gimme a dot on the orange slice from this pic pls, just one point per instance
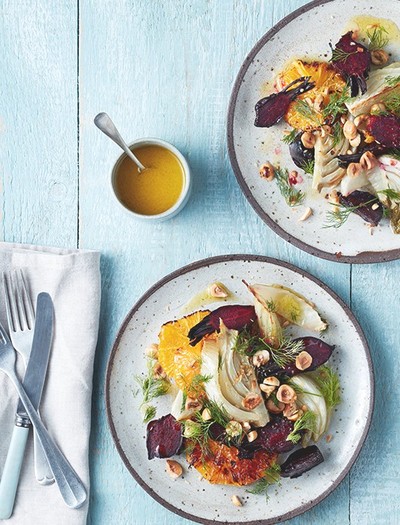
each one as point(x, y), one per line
point(179, 360)
point(222, 465)
point(327, 81)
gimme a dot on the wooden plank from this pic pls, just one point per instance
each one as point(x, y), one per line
point(374, 480)
point(38, 123)
point(166, 69)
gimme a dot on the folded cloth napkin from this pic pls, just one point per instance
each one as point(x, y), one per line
point(72, 278)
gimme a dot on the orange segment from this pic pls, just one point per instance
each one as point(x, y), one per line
point(222, 465)
point(179, 360)
point(327, 81)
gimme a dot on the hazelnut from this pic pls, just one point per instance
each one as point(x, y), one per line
point(217, 290)
point(379, 57)
point(273, 408)
point(318, 102)
point(375, 206)
point(368, 161)
point(328, 438)
point(360, 122)
point(333, 197)
point(308, 139)
point(303, 360)
point(291, 412)
point(206, 415)
point(377, 109)
point(173, 468)
point(353, 169)
point(246, 426)
point(261, 358)
point(271, 381)
point(251, 401)
point(236, 501)
point(349, 130)
point(233, 428)
point(158, 371)
point(286, 394)
point(267, 171)
point(306, 215)
point(193, 404)
point(152, 351)
point(267, 389)
point(354, 143)
point(251, 436)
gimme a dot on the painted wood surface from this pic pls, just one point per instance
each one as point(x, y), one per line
point(163, 69)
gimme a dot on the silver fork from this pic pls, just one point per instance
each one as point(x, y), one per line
point(71, 487)
point(21, 320)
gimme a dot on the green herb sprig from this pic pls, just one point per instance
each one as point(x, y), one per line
point(288, 138)
point(392, 195)
point(306, 422)
point(377, 37)
point(292, 196)
point(271, 476)
point(336, 218)
point(308, 112)
point(338, 55)
point(392, 103)
point(329, 384)
point(392, 81)
point(337, 104)
point(152, 387)
point(308, 166)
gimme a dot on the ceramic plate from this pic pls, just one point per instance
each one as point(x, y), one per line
point(198, 500)
point(249, 147)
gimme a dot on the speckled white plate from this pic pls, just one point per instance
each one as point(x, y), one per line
point(198, 500)
point(249, 147)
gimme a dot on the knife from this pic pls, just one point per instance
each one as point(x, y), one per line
point(34, 379)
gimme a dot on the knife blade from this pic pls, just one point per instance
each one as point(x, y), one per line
point(36, 368)
point(34, 380)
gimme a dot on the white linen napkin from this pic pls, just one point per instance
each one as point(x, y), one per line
point(72, 278)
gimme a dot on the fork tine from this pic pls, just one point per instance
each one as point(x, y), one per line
point(27, 302)
point(10, 301)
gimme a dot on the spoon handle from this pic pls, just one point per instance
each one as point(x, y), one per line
point(71, 487)
point(107, 126)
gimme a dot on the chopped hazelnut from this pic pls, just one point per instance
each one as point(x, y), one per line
point(193, 404)
point(379, 57)
point(246, 426)
point(267, 171)
point(206, 415)
point(158, 371)
point(152, 351)
point(354, 143)
point(329, 438)
point(377, 109)
point(286, 394)
point(267, 389)
point(173, 468)
point(308, 139)
point(251, 401)
point(375, 206)
point(273, 408)
point(261, 358)
point(361, 121)
point(291, 412)
point(236, 501)
point(349, 130)
point(217, 290)
point(271, 381)
point(333, 197)
point(251, 436)
point(303, 360)
point(306, 215)
point(354, 169)
point(368, 161)
point(318, 102)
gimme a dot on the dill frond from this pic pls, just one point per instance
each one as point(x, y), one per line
point(393, 195)
point(337, 104)
point(305, 422)
point(288, 138)
point(392, 81)
point(329, 384)
point(149, 413)
point(151, 387)
point(337, 217)
point(308, 112)
point(392, 103)
point(292, 196)
point(377, 37)
point(338, 55)
point(271, 476)
point(308, 166)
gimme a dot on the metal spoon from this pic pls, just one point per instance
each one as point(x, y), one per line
point(107, 126)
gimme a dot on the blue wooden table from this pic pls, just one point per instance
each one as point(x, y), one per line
point(163, 68)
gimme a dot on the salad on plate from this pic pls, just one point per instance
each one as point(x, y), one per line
point(344, 134)
point(251, 390)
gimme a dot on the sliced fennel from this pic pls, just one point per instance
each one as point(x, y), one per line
point(327, 172)
point(222, 388)
point(310, 395)
point(385, 179)
point(290, 305)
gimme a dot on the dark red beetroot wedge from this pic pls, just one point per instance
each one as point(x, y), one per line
point(270, 110)
point(273, 436)
point(353, 61)
point(385, 129)
point(164, 437)
point(301, 461)
point(235, 317)
point(368, 207)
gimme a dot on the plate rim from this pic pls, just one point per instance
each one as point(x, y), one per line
point(195, 266)
point(362, 257)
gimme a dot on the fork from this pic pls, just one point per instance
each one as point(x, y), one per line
point(21, 320)
point(71, 487)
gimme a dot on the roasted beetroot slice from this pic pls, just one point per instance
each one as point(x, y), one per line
point(270, 110)
point(273, 437)
point(235, 317)
point(353, 61)
point(301, 461)
point(365, 202)
point(318, 350)
point(385, 129)
point(164, 437)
